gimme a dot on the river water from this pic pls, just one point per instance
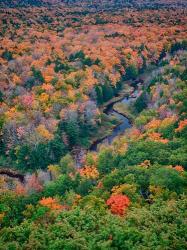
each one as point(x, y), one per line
point(120, 129)
point(125, 123)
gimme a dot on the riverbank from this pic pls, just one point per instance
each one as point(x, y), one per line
point(126, 91)
point(125, 110)
point(121, 107)
point(109, 121)
point(116, 115)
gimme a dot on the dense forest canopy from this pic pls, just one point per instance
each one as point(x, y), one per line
point(97, 4)
point(93, 124)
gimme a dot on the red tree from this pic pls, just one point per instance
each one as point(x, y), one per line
point(118, 204)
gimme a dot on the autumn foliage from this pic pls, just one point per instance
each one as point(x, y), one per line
point(93, 117)
point(182, 125)
point(179, 168)
point(118, 204)
point(89, 172)
point(51, 203)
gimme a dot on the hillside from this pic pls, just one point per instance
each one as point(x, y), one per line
point(93, 125)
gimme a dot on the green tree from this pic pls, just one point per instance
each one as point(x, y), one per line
point(99, 94)
point(7, 55)
point(141, 102)
point(106, 161)
point(168, 178)
point(107, 91)
point(37, 75)
point(131, 72)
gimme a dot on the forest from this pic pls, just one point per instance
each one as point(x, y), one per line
point(93, 125)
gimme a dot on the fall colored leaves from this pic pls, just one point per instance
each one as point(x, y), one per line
point(118, 204)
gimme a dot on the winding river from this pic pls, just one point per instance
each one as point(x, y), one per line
point(125, 123)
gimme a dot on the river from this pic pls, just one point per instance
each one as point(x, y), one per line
point(125, 122)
